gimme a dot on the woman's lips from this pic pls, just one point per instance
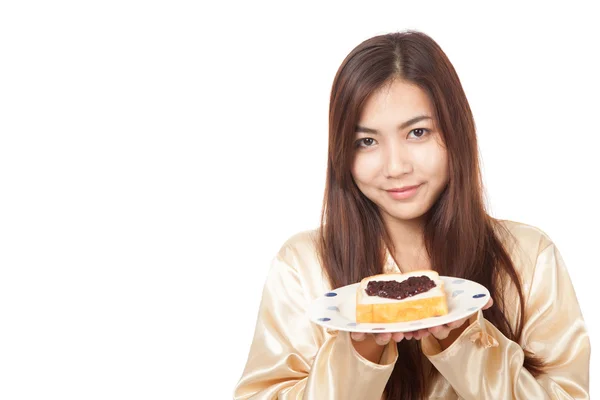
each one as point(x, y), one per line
point(404, 193)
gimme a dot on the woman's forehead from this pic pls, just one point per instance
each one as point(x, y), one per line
point(396, 103)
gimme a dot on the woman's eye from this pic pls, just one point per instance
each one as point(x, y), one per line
point(419, 132)
point(365, 142)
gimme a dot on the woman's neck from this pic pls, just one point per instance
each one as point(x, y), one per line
point(407, 237)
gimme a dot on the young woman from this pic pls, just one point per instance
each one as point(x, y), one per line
point(404, 192)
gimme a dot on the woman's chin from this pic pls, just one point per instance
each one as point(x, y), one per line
point(405, 215)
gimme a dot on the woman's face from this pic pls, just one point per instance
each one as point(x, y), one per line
point(395, 148)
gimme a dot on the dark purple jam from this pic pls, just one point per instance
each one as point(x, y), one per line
point(400, 290)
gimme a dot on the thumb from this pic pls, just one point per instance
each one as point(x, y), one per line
point(489, 304)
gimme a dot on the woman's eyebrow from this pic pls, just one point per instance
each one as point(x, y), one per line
point(404, 125)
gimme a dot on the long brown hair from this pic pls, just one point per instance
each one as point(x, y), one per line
point(460, 236)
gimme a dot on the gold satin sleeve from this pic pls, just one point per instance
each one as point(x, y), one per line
point(292, 358)
point(483, 364)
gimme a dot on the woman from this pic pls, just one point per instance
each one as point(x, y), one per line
point(404, 192)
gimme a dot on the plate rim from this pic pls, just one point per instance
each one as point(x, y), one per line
point(393, 326)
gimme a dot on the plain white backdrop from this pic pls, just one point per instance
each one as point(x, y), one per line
point(154, 156)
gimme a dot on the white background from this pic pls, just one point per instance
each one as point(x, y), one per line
point(155, 155)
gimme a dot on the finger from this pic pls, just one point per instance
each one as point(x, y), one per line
point(417, 335)
point(383, 338)
point(421, 334)
point(489, 304)
point(456, 324)
point(408, 335)
point(397, 336)
point(358, 336)
point(440, 332)
point(435, 329)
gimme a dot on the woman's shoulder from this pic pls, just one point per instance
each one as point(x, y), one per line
point(523, 242)
point(529, 237)
point(302, 241)
point(299, 253)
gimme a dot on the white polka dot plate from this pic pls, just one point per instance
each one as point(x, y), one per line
point(337, 309)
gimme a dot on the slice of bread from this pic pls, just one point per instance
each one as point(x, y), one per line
point(376, 309)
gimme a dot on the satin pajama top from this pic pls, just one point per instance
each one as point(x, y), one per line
point(292, 358)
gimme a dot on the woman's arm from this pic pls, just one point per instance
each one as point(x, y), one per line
point(483, 364)
point(292, 358)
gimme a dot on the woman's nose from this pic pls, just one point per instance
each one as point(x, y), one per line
point(397, 161)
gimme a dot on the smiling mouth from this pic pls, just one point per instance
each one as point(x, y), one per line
point(403, 189)
point(404, 193)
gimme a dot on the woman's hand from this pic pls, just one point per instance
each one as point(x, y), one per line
point(379, 338)
point(443, 332)
point(446, 334)
point(371, 345)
